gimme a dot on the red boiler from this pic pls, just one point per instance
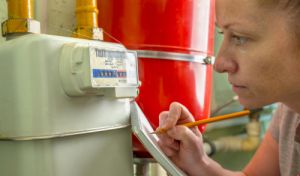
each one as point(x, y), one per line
point(174, 42)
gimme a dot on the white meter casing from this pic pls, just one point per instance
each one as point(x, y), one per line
point(88, 69)
point(54, 106)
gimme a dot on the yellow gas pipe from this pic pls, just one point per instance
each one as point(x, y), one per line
point(20, 18)
point(87, 20)
point(20, 9)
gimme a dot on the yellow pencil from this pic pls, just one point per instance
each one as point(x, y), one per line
point(209, 120)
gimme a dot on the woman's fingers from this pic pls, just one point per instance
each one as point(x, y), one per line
point(177, 114)
point(176, 136)
point(186, 136)
point(168, 120)
point(167, 141)
point(168, 150)
point(163, 119)
point(180, 112)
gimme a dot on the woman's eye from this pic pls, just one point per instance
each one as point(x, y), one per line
point(238, 40)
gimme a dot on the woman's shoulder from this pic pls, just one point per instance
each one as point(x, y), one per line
point(286, 113)
point(283, 121)
point(283, 111)
point(286, 132)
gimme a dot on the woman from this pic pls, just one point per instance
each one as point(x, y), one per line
point(261, 55)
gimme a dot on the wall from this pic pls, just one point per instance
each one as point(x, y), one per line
point(3, 16)
point(57, 17)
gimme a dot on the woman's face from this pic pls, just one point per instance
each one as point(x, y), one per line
point(259, 52)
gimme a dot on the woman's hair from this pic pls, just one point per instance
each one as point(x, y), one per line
point(291, 7)
point(285, 4)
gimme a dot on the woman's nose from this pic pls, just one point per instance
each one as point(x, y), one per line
point(225, 63)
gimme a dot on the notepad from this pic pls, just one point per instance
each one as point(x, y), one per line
point(142, 129)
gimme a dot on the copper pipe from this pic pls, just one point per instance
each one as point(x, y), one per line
point(20, 18)
point(86, 13)
point(87, 20)
point(20, 9)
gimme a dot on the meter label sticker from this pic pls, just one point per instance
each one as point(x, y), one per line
point(111, 67)
point(106, 73)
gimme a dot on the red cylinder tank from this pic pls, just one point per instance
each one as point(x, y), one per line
point(173, 39)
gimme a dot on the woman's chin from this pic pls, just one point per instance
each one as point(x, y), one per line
point(251, 104)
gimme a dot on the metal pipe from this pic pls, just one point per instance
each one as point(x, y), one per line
point(87, 20)
point(237, 143)
point(20, 19)
point(20, 9)
point(86, 13)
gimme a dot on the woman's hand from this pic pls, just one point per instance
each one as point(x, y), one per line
point(184, 146)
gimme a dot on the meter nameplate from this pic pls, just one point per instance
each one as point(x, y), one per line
point(112, 68)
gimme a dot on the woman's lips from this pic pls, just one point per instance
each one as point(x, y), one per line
point(238, 89)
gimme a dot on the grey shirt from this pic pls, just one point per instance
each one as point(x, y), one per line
point(285, 129)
